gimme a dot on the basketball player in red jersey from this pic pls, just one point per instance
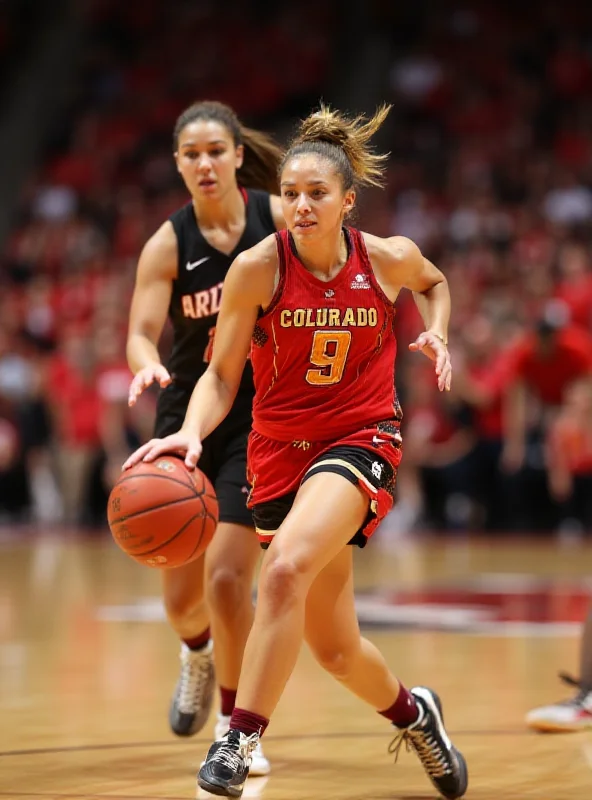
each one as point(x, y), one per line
point(318, 302)
point(180, 273)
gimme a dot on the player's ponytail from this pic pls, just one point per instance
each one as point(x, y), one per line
point(262, 155)
point(344, 141)
point(261, 162)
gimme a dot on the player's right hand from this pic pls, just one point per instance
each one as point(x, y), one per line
point(144, 378)
point(181, 443)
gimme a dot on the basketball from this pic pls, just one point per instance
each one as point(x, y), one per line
point(161, 513)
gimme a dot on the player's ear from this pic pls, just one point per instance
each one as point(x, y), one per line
point(349, 201)
point(240, 156)
point(176, 157)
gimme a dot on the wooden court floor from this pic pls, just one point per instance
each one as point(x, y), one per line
point(87, 666)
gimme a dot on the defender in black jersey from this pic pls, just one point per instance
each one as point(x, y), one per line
point(181, 273)
point(193, 311)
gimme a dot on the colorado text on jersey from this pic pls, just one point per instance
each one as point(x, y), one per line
point(329, 317)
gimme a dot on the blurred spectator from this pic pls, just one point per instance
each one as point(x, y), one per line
point(542, 366)
point(482, 376)
point(439, 443)
point(73, 402)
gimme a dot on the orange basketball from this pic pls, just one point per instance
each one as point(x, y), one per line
point(162, 514)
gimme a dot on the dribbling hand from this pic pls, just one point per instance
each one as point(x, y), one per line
point(145, 378)
point(434, 348)
point(181, 443)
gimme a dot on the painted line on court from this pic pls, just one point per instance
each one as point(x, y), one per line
point(281, 738)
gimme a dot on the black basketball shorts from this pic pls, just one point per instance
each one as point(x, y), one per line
point(224, 456)
point(373, 470)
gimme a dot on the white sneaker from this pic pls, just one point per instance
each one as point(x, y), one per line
point(566, 716)
point(194, 693)
point(259, 763)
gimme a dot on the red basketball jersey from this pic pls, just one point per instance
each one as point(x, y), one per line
point(323, 353)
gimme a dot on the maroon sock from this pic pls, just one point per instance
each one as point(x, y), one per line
point(198, 642)
point(227, 701)
point(404, 710)
point(246, 722)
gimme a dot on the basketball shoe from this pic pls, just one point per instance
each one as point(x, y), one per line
point(259, 764)
point(443, 763)
point(227, 763)
point(192, 701)
point(566, 716)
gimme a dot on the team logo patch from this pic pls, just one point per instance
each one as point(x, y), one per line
point(329, 293)
point(360, 282)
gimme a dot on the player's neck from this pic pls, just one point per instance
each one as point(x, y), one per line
point(323, 259)
point(225, 212)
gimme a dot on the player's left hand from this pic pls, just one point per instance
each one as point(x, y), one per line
point(182, 443)
point(434, 348)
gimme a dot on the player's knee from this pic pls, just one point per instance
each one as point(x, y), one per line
point(227, 590)
point(282, 582)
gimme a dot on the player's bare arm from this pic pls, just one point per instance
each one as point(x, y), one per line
point(157, 268)
point(398, 263)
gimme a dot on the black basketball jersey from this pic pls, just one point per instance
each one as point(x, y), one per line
point(197, 291)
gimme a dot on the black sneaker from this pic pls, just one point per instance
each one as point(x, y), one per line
point(227, 763)
point(444, 764)
point(194, 693)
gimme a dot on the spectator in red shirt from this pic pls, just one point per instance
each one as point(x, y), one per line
point(542, 365)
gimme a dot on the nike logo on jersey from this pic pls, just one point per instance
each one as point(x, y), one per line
point(193, 264)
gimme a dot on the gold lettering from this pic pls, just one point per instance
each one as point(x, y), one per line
point(334, 317)
point(321, 317)
point(299, 318)
point(348, 318)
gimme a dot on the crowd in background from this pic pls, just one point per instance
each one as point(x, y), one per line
point(490, 173)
